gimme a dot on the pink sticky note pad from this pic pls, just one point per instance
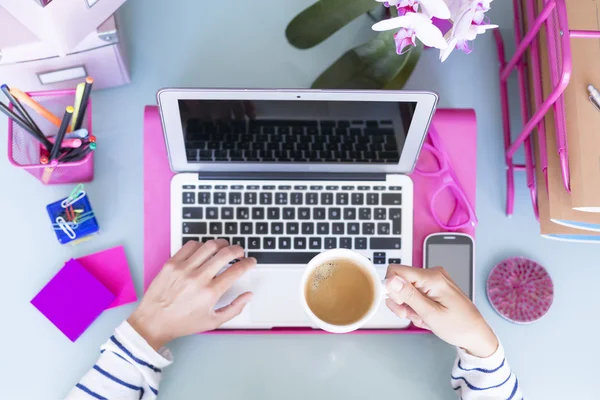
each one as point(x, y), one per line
point(111, 268)
point(73, 299)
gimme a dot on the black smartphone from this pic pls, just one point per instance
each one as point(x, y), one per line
point(456, 253)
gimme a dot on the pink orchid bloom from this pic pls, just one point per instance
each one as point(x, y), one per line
point(463, 45)
point(481, 7)
point(403, 6)
point(406, 6)
point(413, 25)
point(469, 21)
point(404, 38)
point(433, 8)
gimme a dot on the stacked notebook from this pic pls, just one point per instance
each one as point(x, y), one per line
point(573, 216)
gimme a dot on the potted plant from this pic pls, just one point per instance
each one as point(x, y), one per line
point(388, 60)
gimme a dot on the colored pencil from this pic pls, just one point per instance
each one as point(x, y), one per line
point(19, 107)
point(28, 101)
point(61, 133)
point(77, 105)
point(84, 102)
point(77, 154)
point(23, 124)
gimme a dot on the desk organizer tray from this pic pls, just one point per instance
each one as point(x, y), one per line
point(24, 151)
point(457, 129)
point(540, 24)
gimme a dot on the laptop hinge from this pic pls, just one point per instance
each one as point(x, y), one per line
point(295, 176)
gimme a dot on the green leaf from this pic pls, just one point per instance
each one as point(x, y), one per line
point(323, 19)
point(372, 65)
point(410, 62)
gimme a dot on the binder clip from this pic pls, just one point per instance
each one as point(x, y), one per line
point(72, 218)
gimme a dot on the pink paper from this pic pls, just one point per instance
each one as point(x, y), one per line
point(73, 299)
point(111, 268)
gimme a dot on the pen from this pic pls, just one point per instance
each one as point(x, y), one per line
point(25, 99)
point(61, 133)
point(594, 96)
point(79, 133)
point(10, 114)
point(68, 143)
point(77, 105)
point(89, 81)
point(19, 107)
point(78, 154)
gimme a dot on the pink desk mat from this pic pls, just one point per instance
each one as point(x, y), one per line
point(457, 129)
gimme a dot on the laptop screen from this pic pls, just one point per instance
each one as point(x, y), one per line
point(295, 131)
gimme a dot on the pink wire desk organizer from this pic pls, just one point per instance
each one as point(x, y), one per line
point(552, 17)
point(24, 151)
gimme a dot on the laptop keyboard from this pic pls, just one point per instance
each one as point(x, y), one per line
point(291, 141)
point(290, 224)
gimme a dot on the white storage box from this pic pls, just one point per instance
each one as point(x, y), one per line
point(36, 66)
point(63, 24)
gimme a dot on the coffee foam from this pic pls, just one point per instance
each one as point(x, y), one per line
point(322, 273)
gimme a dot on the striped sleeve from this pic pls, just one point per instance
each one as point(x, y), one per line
point(128, 369)
point(475, 378)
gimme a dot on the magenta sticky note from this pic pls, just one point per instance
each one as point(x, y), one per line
point(111, 268)
point(73, 299)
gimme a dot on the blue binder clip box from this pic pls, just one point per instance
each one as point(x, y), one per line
point(73, 218)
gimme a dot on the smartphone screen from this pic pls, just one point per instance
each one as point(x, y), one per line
point(455, 254)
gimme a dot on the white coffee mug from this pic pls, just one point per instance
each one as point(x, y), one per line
point(359, 260)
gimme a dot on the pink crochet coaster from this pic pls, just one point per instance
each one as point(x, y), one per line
point(520, 290)
point(73, 299)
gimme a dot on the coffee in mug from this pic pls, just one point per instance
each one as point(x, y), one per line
point(340, 292)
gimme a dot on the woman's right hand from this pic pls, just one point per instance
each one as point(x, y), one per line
point(431, 300)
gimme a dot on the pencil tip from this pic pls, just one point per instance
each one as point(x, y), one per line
point(4, 86)
point(70, 109)
point(89, 80)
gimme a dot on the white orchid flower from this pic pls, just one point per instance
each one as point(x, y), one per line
point(457, 7)
point(454, 6)
point(411, 25)
point(433, 8)
point(468, 23)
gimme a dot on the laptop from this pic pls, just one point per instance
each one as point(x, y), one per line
point(287, 174)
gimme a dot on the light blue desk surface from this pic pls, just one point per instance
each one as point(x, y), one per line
point(230, 44)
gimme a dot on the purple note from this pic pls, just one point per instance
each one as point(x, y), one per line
point(73, 299)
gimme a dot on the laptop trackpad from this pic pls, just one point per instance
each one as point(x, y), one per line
point(276, 300)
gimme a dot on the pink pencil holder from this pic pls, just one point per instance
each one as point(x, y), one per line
point(24, 151)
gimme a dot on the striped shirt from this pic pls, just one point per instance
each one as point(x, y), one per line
point(476, 378)
point(129, 369)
